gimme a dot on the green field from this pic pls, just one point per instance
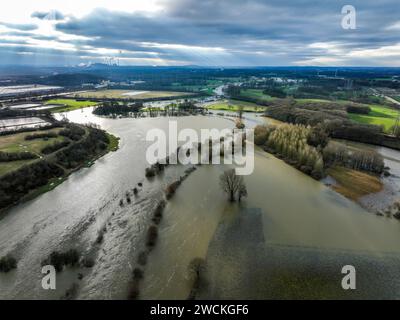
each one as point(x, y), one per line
point(379, 115)
point(17, 143)
point(255, 94)
point(122, 94)
point(233, 105)
point(69, 104)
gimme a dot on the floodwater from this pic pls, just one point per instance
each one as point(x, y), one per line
point(293, 217)
point(303, 226)
point(72, 214)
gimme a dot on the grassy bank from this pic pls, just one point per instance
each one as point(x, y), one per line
point(114, 143)
point(52, 184)
point(354, 184)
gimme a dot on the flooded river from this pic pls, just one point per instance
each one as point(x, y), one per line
point(295, 219)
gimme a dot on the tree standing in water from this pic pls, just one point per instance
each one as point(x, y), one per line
point(231, 183)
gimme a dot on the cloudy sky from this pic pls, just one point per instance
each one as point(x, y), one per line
point(199, 32)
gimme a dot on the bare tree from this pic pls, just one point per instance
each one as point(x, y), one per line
point(231, 183)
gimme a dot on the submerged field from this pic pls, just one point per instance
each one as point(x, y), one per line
point(354, 184)
point(130, 94)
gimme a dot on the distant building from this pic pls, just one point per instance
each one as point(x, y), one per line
point(14, 91)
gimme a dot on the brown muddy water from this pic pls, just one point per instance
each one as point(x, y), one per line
point(291, 210)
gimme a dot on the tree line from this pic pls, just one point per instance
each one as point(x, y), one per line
point(310, 150)
point(15, 156)
point(338, 154)
point(335, 121)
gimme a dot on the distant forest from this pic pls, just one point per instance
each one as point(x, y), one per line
point(161, 77)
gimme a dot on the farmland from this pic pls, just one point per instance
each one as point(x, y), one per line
point(16, 143)
point(64, 105)
point(379, 115)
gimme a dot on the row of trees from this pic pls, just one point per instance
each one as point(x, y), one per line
point(55, 146)
point(335, 122)
point(73, 132)
point(116, 108)
point(275, 91)
point(358, 109)
point(291, 143)
point(307, 149)
point(73, 156)
point(45, 135)
point(232, 90)
point(138, 110)
point(15, 156)
point(17, 183)
point(339, 154)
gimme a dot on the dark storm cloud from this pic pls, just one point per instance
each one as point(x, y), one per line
point(50, 15)
point(238, 32)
